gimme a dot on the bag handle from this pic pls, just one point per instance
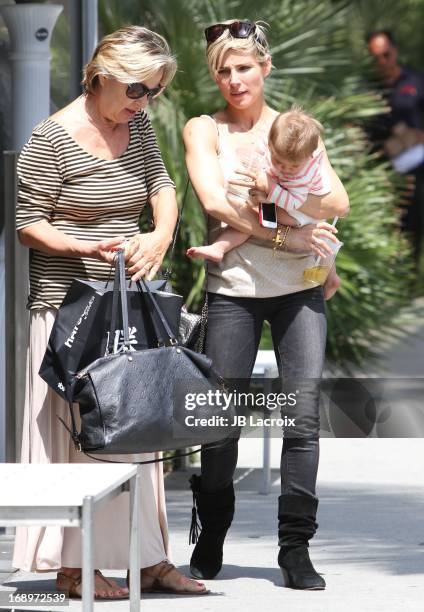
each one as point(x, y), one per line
point(172, 339)
point(124, 301)
point(75, 437)
point(168, 272)
point(120, 291)
point(114, 315)
point(153, 317)
point(119, 288)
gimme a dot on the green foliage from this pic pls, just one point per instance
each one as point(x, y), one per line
point(373, 264)
point(404, 19)
point(319, 64)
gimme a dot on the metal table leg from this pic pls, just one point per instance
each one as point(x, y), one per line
point(135, 542)
point(87, 555)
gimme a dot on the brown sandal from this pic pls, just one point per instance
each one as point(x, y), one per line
point(73, 585)
point(155, 582)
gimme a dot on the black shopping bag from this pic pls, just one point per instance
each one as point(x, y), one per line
point(81, 332)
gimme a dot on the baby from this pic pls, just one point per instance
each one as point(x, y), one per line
point(293, 169)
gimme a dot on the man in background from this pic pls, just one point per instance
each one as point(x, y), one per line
point(400, 133)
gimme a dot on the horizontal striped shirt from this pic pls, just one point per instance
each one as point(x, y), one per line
point(83, 196)
point(290, 191)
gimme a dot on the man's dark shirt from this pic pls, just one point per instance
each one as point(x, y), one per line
point(406, 99)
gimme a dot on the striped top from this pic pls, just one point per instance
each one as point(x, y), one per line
point(83, 196)
point(290, 191)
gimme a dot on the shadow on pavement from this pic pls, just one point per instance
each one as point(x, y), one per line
point(372, 526)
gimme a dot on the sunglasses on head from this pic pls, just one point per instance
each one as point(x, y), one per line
point(135, 91)
point(237, 29)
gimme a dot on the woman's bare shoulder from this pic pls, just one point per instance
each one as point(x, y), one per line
point(200, 127)
point(201, 121)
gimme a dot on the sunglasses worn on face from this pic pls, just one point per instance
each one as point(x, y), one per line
point(386, 55)
point(237, 29)
point(135, 91)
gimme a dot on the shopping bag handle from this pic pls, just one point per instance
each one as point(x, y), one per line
point(120, 296)
point(119, 291)
point(171, 338)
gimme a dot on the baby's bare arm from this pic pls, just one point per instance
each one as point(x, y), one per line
point(284, 218)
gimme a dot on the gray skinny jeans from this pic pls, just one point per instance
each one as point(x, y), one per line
point(298, 327)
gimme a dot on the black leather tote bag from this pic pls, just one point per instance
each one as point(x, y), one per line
point(162, 398)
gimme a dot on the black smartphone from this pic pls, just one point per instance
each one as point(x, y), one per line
point(268, 215)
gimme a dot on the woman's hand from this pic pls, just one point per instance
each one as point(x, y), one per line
point(144, 254)
point(311, 238)
point(105, 250)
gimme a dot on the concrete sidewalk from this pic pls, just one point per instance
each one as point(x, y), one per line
point(369, 547)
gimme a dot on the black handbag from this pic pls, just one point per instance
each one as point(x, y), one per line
point(192, 328)
point(146, 400)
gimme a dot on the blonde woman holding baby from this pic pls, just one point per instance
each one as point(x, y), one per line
point(258, 279)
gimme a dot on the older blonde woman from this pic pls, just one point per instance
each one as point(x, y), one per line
point(84, 177)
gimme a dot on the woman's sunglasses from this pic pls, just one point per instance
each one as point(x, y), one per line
point(135, 91)
point(237, 29)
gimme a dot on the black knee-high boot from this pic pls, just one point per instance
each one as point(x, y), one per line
point(215, 511)
point(296, 526)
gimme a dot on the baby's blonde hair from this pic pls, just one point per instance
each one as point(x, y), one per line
point(131, 54)
point(294, 135)
point(255, 44)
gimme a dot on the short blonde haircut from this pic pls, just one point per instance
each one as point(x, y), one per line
point(131, 54)
point(294, 135)
point(255, 44)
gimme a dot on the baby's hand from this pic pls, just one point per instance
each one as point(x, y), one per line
point(256, 197)
point(262, 182)
point(254, 179)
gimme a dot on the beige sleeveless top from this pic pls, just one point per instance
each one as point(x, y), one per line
point(252, 269)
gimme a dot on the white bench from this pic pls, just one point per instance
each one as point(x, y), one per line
point(68, 495)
